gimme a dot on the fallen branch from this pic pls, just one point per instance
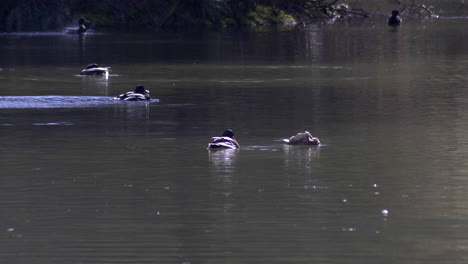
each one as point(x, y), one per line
point(413, 6)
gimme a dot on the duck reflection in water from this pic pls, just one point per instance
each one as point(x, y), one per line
point(223, 161)
point(139, 94)
point(394, 20)
point(225, 141)
point(95, 86)
point(94, 69)
point(300, 159)
point(303, 138)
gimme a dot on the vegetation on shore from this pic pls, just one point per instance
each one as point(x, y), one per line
point(41, 15)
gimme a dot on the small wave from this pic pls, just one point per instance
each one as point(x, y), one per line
point(55, 101)
point(241, 81)
point(31, 34)
point(59, 123)
point(261, 148)
point(448, 18)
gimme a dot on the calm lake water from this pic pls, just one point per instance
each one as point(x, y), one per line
point(86, 179)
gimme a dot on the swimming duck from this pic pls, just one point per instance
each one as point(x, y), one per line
point(83, 26)
point(394, 19)
point(94, 69)
point(225, 141)
point(303, 138)
point(139, 94)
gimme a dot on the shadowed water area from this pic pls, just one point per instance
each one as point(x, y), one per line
point(88, 179)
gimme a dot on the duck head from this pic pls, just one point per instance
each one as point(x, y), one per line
point(309, 136)
point(228, 133)
point(82, 21)
point(140, 89)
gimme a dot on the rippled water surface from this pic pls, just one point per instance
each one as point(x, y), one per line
point(88, 179)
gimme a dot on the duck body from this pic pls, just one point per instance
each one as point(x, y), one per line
point(132, 96)
point(139, 94)
point(303, 138)
point(223, 143)
point(226, 141)
point(394, 20)
point(94, 69)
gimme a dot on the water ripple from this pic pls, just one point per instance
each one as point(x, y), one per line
point(55, 101)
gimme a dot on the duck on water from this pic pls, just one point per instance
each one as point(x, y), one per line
point(94, 69)
point(83, 26)
point(225, 141)
point(303, 138)
point(139, 94)
point(394, 20)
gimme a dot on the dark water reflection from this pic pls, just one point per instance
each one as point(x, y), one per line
point(86, 179)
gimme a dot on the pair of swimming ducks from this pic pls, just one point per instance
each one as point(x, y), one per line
point(227, 140)
point(139, 94)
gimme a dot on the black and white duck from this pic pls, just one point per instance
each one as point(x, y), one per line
point(94, 69)
point(225, 141)
point(139, 94)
